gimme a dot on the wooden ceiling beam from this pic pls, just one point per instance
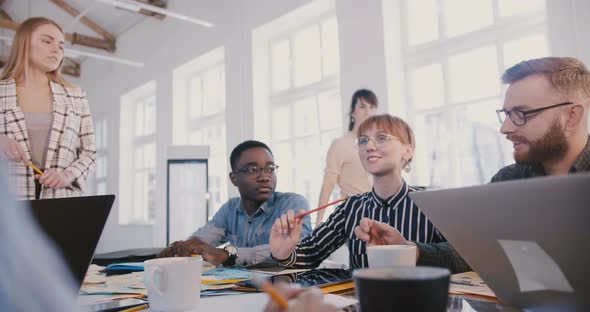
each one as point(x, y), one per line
point(8, 24)
point(158, 3)
point(84, 20)
point(5, 15)
point(89, 41)
point(74, 38)
point(70, 67)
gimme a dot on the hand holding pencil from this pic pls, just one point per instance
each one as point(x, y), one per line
point(286, 231)
point(300, 299)
point(301, 215)
point(285, 234)
point(51, 178)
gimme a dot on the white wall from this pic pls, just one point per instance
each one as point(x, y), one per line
point(568, 23)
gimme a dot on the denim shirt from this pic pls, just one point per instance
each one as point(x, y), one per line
point(251, 234)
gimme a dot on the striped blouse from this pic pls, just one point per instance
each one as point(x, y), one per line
point(398, 211)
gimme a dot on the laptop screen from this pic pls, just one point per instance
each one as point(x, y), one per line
point(74, 225)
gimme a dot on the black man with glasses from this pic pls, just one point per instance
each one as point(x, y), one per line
point(244, 222)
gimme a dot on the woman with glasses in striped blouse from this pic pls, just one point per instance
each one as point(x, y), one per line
point(386, 147)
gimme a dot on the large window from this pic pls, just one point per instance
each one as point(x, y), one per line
point(199, 116)
point(299, 99)
point(454, 53)
point(138, 156)
point(101, 126)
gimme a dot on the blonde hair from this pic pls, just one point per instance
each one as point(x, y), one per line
point(18, 65)
point(392, 125)
point(566, 74)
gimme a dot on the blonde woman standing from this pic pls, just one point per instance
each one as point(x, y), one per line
point(44, 120)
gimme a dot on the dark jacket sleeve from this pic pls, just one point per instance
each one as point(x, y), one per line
point(442, 255)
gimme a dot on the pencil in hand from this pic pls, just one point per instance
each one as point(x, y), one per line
point(267, 287)
point(37, 170)
point(301, 215)
point(137, 308)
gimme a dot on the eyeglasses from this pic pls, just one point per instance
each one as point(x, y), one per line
point(379, 140)
point(518, 117)
point(255, 171)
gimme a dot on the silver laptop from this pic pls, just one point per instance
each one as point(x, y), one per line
point(529, 240)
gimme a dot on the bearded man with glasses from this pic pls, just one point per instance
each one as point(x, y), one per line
point(244, 222)
point(548, 138)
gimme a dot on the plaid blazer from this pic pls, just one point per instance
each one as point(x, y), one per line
point(71, 142)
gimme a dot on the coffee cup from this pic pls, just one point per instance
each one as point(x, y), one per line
point(173, 284)
point(393, 289)
point(385, 256)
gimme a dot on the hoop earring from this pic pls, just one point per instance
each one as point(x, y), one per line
point(408, 167)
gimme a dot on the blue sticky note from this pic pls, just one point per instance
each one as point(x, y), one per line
point(126, 266)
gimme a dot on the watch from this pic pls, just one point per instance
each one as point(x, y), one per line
point(233, 254)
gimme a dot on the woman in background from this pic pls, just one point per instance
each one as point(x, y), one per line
point(343, 166)
point(44, 120)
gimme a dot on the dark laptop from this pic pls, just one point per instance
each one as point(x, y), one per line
point(75, 225)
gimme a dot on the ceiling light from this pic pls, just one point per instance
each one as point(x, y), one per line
point(137, 6)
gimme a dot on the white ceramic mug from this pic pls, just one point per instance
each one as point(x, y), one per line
point(387, 256)
point(173, 284)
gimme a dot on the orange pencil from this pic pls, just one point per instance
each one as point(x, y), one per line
point(137, 308)
point(320, 208)
point(267, 287)
point(37, 170)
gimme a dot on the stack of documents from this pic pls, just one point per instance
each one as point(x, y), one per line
point(469, 283)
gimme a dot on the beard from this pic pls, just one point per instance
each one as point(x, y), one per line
point(551, 146)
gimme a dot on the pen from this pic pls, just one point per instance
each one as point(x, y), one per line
point(320, 208)
point(267, 287)
point(35, 168)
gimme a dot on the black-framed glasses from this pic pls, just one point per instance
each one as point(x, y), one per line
point(256, 171)
point(518, 117)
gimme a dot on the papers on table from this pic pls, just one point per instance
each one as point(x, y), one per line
point(219, 281)
point(94, 275)
point(223, 273)
point(214, 283)
point(131, 283)
point(469, 283)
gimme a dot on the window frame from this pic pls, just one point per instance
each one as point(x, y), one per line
point(441, 50)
